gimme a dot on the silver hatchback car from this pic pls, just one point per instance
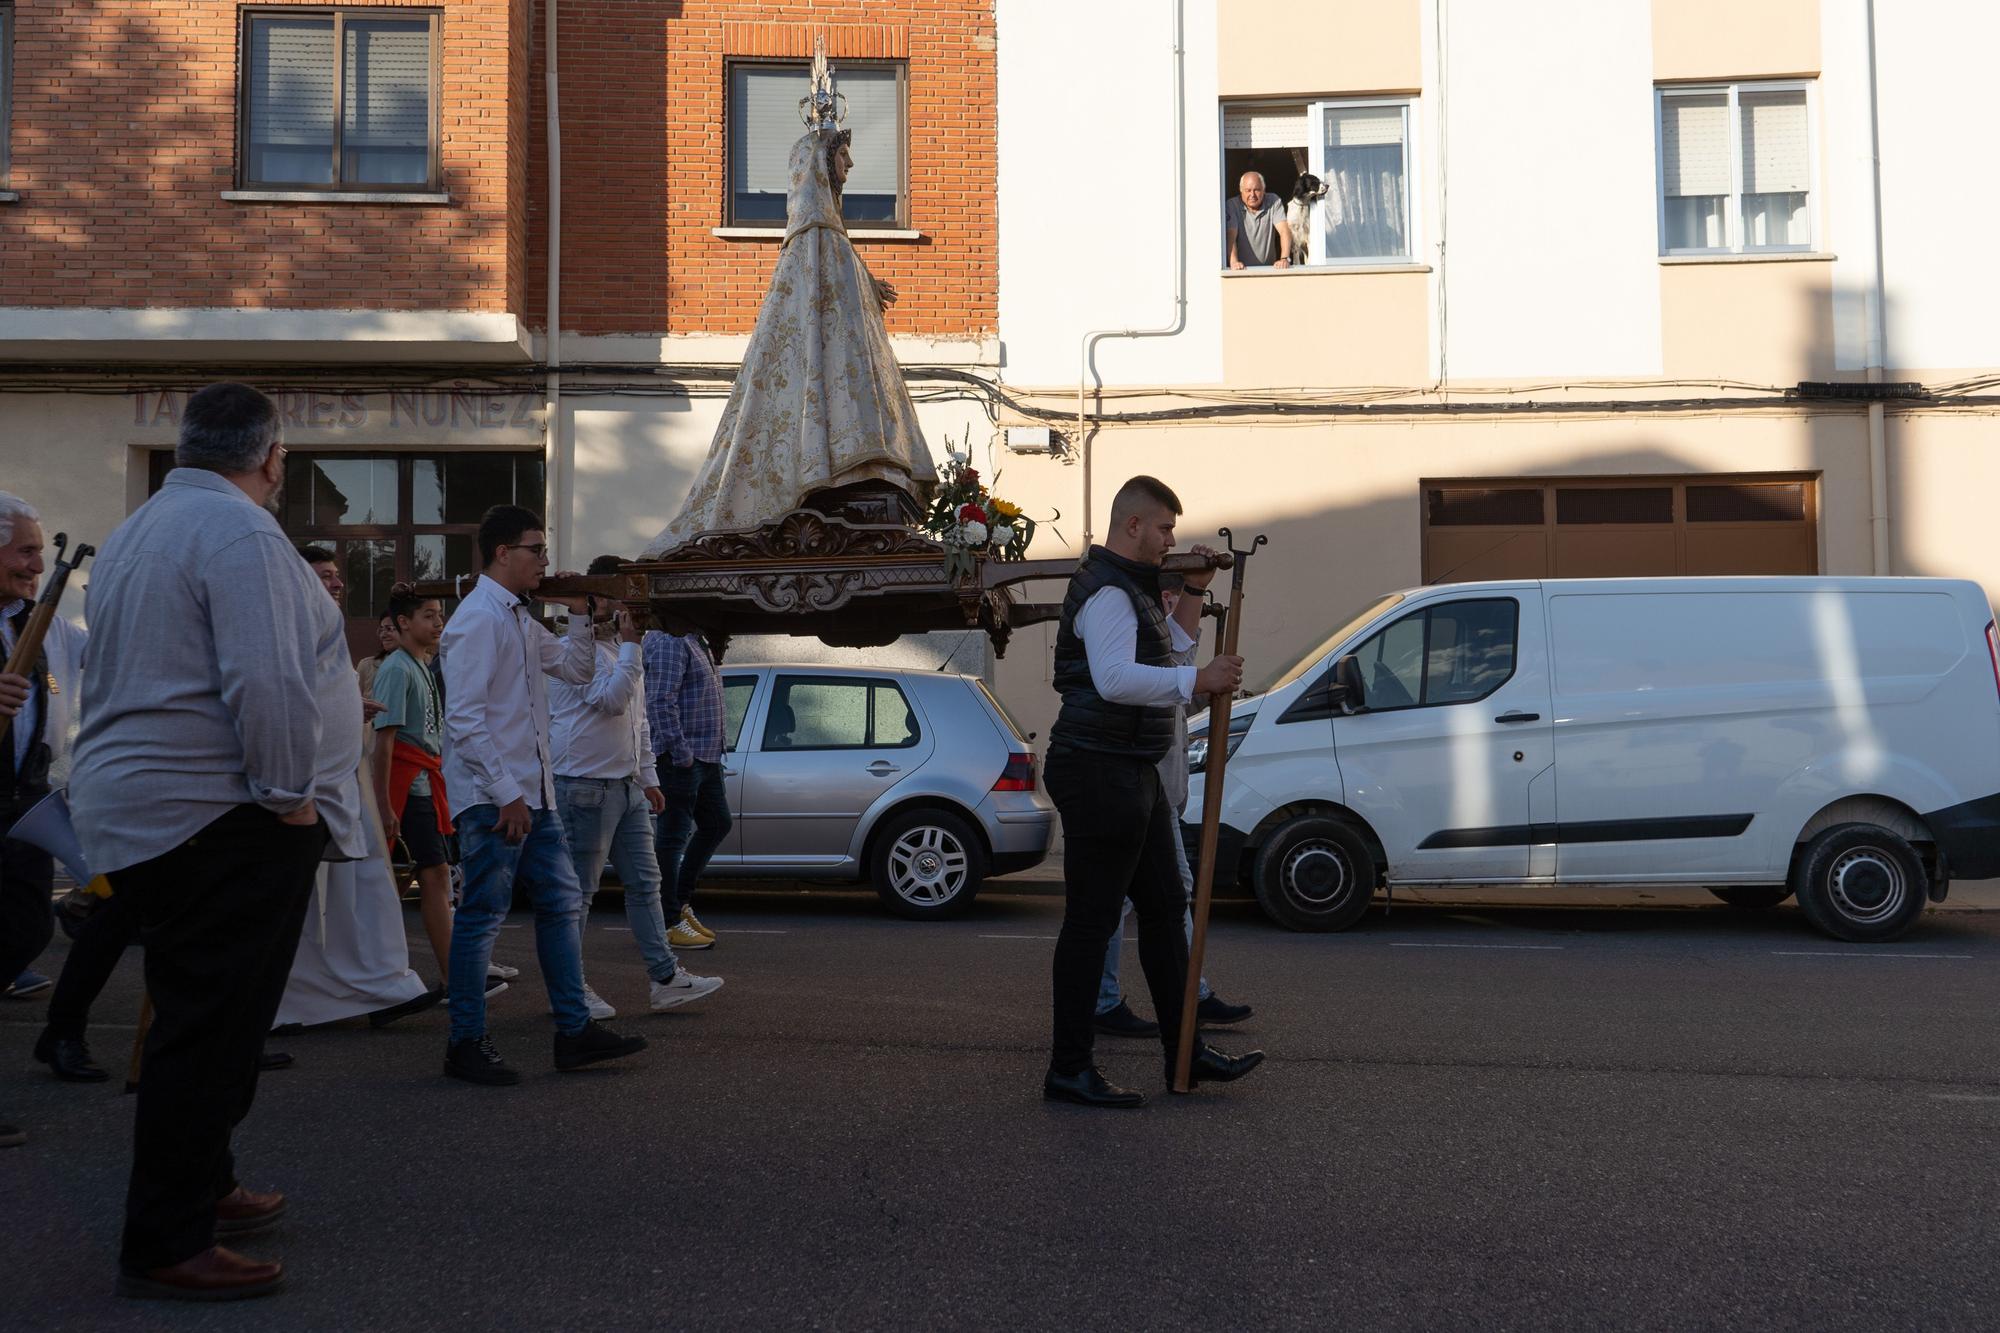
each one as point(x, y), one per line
point(917, 781)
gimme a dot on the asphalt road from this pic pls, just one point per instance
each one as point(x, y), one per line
point(1472, 1116)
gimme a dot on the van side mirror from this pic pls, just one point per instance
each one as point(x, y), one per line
point(1348, 689)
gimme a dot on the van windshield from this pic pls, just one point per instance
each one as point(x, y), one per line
point(1331, 641)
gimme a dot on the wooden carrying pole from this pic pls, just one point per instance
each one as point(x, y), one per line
point(28, 647)
point(1211, 816)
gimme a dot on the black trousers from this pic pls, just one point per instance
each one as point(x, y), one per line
point(219, 917)
point(27, 882)
point(100, 942)
point(1118, 833)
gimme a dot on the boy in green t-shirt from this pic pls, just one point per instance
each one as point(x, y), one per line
point(409, 743)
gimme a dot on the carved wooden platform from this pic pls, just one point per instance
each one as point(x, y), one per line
point(849, 584)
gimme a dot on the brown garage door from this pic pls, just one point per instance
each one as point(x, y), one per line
point(1624, 528)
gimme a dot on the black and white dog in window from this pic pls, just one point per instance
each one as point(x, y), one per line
point(1306, 191)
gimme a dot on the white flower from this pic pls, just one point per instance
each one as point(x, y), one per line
point(972, 534)
point(1003, 535)
point(958, 456)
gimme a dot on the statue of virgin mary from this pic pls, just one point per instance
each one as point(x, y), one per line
point(820, 402)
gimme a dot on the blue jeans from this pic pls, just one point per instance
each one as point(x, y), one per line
point(542, 862)
point(693, 825)
point(609, 816)
point(1109, 996)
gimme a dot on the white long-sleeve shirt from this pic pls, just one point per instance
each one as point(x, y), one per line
point(1109, 628)
point(496, 718)
point(600, 729)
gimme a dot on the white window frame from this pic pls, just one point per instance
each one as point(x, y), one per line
point(1315, 146)
point(1412, 196)
point(1732, 214)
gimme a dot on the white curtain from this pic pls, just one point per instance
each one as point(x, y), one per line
point(1367, 206)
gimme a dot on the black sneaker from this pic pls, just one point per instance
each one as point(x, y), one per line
point(595, 1042)
point(1122, 1022)
point(1216, 1012)
point(416, 1004)
point(477, 1061)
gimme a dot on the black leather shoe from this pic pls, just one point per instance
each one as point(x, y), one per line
point(1122, 1022)
point(596, 1042)
point(69, 1058)
point(1212, 1066)
point(1089, 1089)
point(1216, 1012)
point(269, 1060)
point(477, 1060)
point(416, 1004)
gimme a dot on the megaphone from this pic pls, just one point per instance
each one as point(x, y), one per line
point(47, 826)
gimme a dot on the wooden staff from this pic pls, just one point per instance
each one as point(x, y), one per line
point(27, 648)
point(1211, 815)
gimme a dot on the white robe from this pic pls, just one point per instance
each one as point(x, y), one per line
point(820, 400)
point(354, 956)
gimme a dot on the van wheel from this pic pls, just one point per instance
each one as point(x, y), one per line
point(1860, 882)
point(1753, 897)
point(928, 864)
point(1315, 873)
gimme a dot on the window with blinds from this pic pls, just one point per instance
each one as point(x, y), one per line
point(340, 100)
point(1735, 168)
point(764, 124)
point(1359, 154)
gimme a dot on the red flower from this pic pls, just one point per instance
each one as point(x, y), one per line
point(971, 514)
point(969, 476)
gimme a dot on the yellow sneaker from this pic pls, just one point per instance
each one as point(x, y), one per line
point(693, 923)
point(682, 938)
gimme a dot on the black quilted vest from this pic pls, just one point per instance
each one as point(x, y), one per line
point(1088, 721)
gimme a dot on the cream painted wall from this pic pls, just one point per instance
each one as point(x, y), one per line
point(1769, 323)
point(1341, 503)
point(1550, 218)
point(72, 458)
point(1268, 48)
point(1727, 39)
point(1944, 474)
point(1086, 190)
point(1321, 327)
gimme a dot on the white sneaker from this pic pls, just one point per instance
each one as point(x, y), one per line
point(685, 988)
point(501, 972)
point(599, 1010)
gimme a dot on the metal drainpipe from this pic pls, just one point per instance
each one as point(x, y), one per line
point(1878, 333)
point(562, 460)
point(1091, 339)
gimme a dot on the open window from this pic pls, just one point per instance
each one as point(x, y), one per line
point(1359, 150)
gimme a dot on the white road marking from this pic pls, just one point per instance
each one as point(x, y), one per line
point(743, 930)
point(1538, 948)
point(1018, 937)
point(1858, 953)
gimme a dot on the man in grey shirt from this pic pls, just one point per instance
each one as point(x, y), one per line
point(215, 667)
point(1255, 223)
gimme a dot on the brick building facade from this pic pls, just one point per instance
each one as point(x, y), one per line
point(350, 204)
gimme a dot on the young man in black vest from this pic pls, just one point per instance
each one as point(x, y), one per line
point(1119, 691)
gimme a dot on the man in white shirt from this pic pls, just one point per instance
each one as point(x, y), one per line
point(1120, 689)
point(608, 793)
point(501, 782)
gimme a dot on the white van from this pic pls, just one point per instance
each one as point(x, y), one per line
point(1834, 738)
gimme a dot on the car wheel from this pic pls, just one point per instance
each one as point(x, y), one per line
point(1315, 873)
point(927, 864)
point(1753, 897)
point(1860, 882)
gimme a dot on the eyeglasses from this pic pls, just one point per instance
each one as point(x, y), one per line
point(541, 549)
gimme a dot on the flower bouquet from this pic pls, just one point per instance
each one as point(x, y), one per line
point(970, 521)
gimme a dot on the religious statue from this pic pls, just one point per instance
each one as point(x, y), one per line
point(820, 405)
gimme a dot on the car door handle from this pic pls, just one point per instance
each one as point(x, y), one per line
point(728, 772)
point(882, 767)
point(1519, 717)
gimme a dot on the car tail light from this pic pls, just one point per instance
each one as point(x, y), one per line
point(1019, 775)
point(1993, 652)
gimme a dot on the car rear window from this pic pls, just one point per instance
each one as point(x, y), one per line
point(1001, 709)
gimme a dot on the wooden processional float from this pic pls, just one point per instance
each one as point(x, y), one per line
point(828, 573)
